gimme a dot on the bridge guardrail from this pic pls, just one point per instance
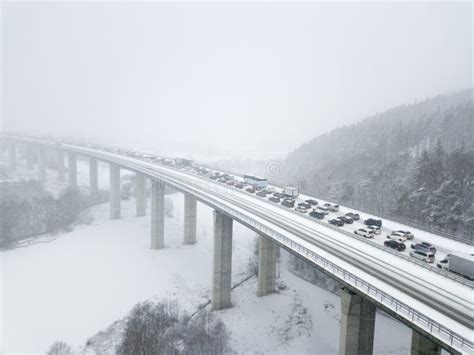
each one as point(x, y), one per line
point(459, 238)
point(327, 225)
point(409, 313)
point(444, 273)
point(429, 325)
point(447, 274)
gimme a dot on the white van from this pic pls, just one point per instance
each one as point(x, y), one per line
point(427, 257)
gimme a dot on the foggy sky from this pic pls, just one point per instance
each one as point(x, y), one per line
point(226, 79)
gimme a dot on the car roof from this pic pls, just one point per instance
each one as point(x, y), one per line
point(423, 252)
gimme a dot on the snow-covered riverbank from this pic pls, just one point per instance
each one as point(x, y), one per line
point(83, 281)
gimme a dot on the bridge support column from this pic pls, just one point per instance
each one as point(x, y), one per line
point(357, 324)
point(267, 266)
point(72, 170)
point(60, 165)
point(114, 191)
point(140, 193)
point(190, 207)
point(222, 267)
point(41, 164)
point(157, 214)
point(421, 345)
point(93, 178)
point(12, 155)
point(29, 156)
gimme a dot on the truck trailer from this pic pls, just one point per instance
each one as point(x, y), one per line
point(459, 263)
point(291, 191)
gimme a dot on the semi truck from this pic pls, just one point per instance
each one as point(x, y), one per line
point(459, 263)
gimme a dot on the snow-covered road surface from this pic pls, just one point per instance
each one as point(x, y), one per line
point(425, 291)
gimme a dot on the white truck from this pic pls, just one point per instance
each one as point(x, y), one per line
point(459, 263)
point(291, 191)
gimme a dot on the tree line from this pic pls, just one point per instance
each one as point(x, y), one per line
point(24, 218)
point(414, 162)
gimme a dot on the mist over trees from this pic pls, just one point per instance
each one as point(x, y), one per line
point(415, 161)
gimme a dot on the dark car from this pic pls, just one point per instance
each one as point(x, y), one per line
point(288, 203)
point(424, 246)
point(222, 180)
point(345, 219)
point(316, 214)
point(312, 202)
point(239, 185)
point(336, 222)
point(354, 216)
point(250, 189)
point(274, 199)
point(304, 205)
point(259, 188)
point(262, 193)
point(395, 244)
point(278, 195)
point(373, 222)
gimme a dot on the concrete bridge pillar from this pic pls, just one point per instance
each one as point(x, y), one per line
point(41, 164)
point(29, 156)
point(190, 209)
point(157, 214)
point(93, 178)
point(12, 155)
point(357, 324)
point(141, 196)
point(60, 165)
point(222, 266)
point(267, 266)
point(114, 191)
point(72, 170)
point(421, 345)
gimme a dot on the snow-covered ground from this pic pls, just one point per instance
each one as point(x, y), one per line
point(83, 281)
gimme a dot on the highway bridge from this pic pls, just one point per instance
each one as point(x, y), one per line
point(436, 304)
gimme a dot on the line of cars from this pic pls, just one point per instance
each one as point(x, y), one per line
point(459, 263)
point(423, 251)
point(287, 197)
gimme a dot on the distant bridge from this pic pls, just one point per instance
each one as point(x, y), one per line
point(437, 305)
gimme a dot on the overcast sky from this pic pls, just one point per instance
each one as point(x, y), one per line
point(226, 79)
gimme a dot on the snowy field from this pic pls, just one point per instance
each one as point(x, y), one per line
point(81, 282)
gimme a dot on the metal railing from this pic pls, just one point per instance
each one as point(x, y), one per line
point(444, 273)
point(436, 270)
point(441, 272)
point(460, 238)
point(410, 314)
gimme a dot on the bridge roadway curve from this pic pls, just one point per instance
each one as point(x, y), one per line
point(443, 300)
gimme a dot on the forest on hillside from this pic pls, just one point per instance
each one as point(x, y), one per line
point(414, 162)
